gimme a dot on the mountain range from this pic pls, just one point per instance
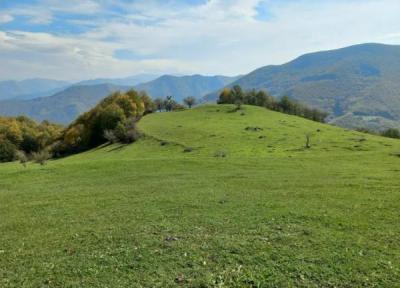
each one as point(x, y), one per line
point(30, 88)
point(359, 86)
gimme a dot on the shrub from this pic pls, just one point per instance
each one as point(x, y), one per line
point(41, 157)
point(391, 133)
point(110, 136)
point(21, 157)
point(7, 150)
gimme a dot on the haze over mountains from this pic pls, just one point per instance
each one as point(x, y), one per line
point(30, 88)
point(358, 86)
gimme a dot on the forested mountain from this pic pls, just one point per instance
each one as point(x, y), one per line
point(62, 107)
point(30, 88)
point(357, 85)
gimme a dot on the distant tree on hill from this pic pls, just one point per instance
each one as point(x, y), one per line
point(189, 101)
point(159, 103)
point(169, 103)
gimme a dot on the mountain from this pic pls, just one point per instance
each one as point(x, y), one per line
point(30, 88)
point(357, 85)
point(128, 81)
point(62, 107)
point(182, 86)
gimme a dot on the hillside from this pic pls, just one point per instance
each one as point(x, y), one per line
point(269, 214)
point(30, 88)
point(63, 107)
point(183, 86)
point(359, 82)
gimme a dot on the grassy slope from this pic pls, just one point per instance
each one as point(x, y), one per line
point(270, 214)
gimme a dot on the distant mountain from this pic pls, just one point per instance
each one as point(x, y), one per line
point(182, 86)
point(66, 105)
point(62, 107)
point(357, 85)
point(128, 81)
point(30, 88)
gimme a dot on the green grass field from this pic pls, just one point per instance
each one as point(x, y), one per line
point(269, 214)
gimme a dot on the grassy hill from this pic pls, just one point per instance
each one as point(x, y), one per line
point(269, 214)
point(355, 85)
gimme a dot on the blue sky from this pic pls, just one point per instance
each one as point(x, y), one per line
point(81, 39)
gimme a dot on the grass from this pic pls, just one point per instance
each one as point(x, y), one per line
point(271, 213)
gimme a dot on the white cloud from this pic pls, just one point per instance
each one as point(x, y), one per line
point(218, 37)
point(5, 18)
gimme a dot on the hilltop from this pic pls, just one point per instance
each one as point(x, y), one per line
point(356, 85)
point(208, 197)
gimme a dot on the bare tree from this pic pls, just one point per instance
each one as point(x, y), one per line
point(190, 101)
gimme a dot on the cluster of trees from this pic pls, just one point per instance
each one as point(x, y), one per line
point(113, 119)
point(21, 137)
point(260, 98)
point(169, 104)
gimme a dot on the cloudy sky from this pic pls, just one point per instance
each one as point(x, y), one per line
point(81, 39)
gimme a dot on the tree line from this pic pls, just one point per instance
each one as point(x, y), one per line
point(112, 120)
point(236, 95)
point(23, 137)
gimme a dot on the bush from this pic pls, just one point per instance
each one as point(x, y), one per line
point(391, 133)
point(110, 136)
point(41, 157)
point(7, 150)
point(21, 157)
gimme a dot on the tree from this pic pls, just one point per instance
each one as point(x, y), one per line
point(190, 101)
point(159, 103)
point(169, 103)
point(7, 150)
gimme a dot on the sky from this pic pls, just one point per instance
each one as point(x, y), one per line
point(84, 39)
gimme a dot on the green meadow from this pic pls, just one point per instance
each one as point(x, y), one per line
point(209, 197)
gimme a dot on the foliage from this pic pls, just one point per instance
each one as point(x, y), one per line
point(26, 135)
point(391, 133)
point(111, 120)
point(260, 98)
point(41, 157)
